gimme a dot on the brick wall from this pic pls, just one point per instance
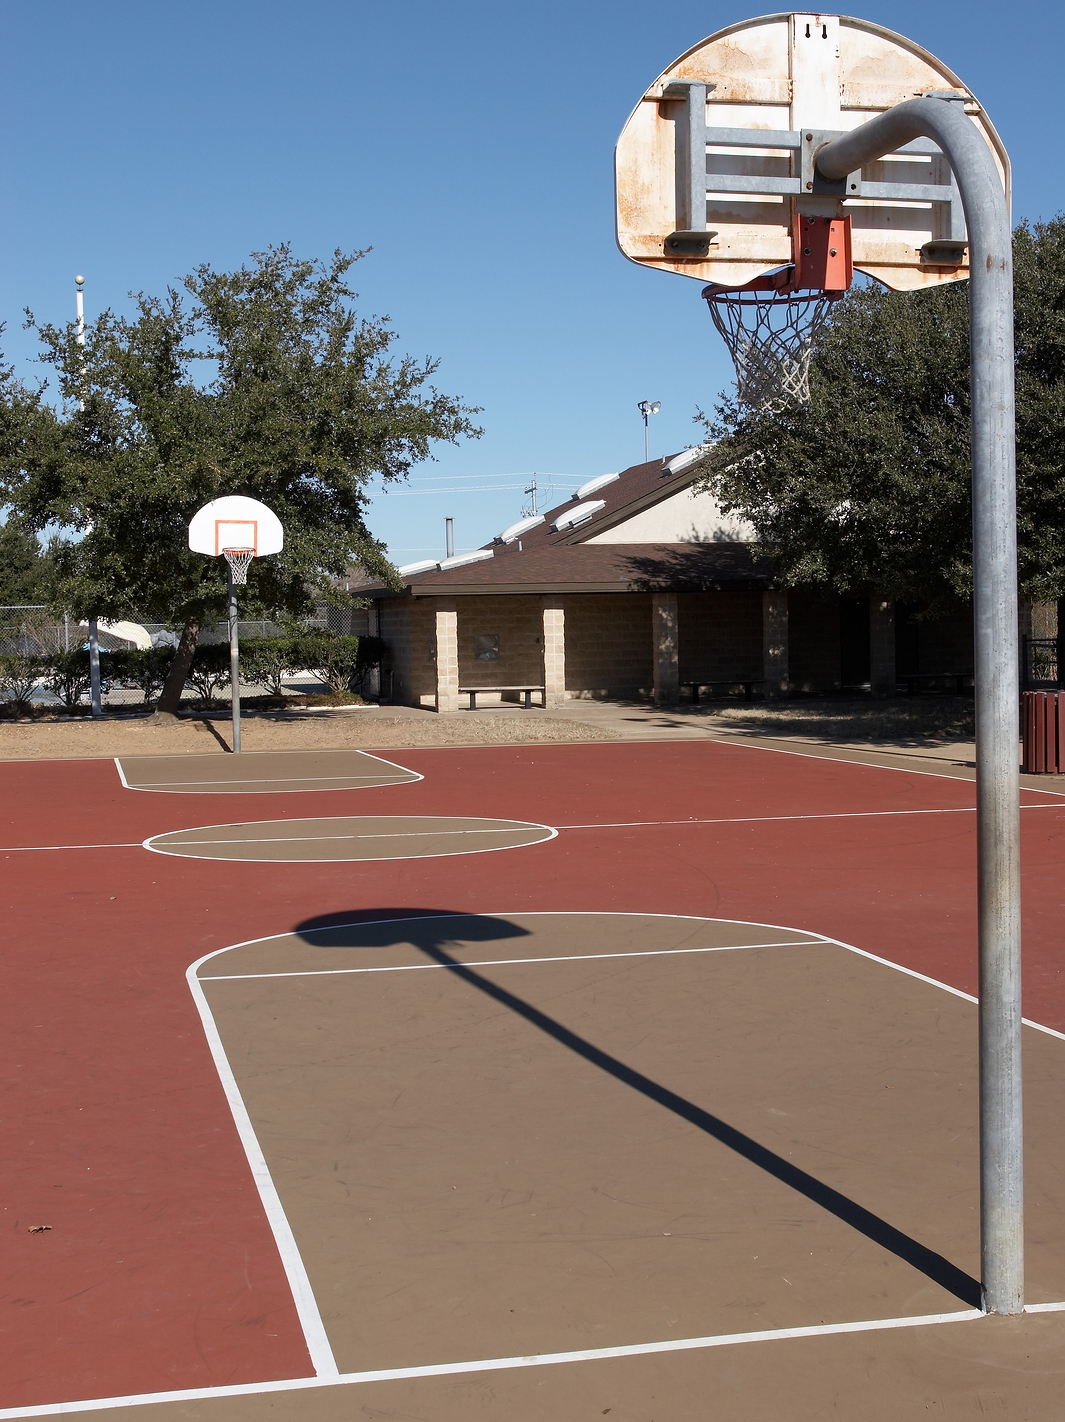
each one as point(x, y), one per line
point(813, 640)
point(608, 644)
point(720, 636)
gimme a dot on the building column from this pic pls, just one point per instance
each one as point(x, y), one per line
point(665, 629)
point(775, 643)
point(447, 655)
point(882, 676)
point(554, 653)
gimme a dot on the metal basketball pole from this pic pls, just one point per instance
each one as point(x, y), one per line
point(234, 661)
point(943, 119)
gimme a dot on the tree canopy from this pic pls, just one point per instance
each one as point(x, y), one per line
point(262, 381)
point(869, 484)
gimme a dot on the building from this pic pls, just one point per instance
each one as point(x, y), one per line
point(639, 587)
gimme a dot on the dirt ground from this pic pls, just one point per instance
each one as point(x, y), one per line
point(332, 730)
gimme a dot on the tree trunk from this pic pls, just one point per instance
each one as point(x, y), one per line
point(170, 696)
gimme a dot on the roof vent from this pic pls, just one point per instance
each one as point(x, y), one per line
point(581, 514)
point(409, 569)
point(522, 526)
point(680, 462)
point(598, 483)
point(461, 559)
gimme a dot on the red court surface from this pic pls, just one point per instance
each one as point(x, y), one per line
point(159, 1271)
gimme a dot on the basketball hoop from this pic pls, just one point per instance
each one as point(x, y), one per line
point(771, 335)
point(238, 560)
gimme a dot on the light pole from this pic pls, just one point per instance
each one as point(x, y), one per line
point(94, 629)
point(647, 408)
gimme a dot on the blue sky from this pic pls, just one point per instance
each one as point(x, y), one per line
point(470, 145)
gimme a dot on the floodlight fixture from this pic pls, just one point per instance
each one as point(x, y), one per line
point(647, 408)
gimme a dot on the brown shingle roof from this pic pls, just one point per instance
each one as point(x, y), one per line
point(566, 562)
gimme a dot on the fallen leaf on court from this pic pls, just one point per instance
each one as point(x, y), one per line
point(39, 1229)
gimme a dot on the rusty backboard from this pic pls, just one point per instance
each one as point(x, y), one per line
point(802, 78)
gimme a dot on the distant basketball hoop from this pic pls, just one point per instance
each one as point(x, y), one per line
point(237, 529)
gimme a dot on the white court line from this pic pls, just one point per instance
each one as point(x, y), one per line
point(621, 824)
point(501, 962)
point(157, 843)
point(318, 1345)
point(323, 838)
point(166, 788)
point(767, 819)
point(533, 1360)
point(42, 848)
point(259, 780)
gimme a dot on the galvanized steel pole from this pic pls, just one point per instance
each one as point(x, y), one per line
point(995, 605)
point(234, 663)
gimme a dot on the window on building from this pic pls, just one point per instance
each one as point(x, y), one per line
point(486, 647)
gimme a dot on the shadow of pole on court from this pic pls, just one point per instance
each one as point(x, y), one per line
point(430, 937)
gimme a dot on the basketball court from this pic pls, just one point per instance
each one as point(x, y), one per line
point(615, 1116)
point(670, 1110)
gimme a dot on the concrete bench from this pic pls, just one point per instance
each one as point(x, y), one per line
point(474, 691)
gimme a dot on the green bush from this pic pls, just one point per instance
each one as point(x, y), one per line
point(334, 659)
point(144, 669)
point(269, 660)
point(210, 670)
point(19, 674)
point(67, 675)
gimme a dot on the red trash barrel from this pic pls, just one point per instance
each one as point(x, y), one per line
point(1043, 719)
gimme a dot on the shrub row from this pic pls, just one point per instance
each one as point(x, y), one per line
point(341, 662)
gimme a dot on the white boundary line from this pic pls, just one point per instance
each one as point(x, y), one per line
point(310, 1318)
point(501, 827)
point(177, 789)
point(42, 848)
point(534, 1360)
point(318, 1345)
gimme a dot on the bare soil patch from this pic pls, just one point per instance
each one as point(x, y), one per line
point(323, 730)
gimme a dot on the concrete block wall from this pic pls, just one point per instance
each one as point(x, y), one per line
point(813, 640)
point(720, 636)
point(518, 623)
point(608, 644)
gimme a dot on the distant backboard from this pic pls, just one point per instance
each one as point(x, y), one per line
point(235, 522)
point(758, 99)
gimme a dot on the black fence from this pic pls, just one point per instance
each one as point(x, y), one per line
point(1041, 663)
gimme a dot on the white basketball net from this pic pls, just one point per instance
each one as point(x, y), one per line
point(771, 336)
point(238, 560)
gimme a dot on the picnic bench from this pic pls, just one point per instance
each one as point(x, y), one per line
point(474, 691)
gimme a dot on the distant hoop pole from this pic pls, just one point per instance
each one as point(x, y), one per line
point(995, 605)
point(237, 560)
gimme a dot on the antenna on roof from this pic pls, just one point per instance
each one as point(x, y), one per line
point(532, 509)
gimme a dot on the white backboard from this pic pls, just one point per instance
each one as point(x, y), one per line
point(235, 522)
point(795, 75)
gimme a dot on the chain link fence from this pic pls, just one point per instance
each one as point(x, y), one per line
point(34, 631)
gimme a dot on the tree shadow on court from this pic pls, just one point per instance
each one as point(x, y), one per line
point(435, 933)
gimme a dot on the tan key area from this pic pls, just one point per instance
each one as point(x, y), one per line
point(551, 1132)
point(349, 837)
point(260, 772)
